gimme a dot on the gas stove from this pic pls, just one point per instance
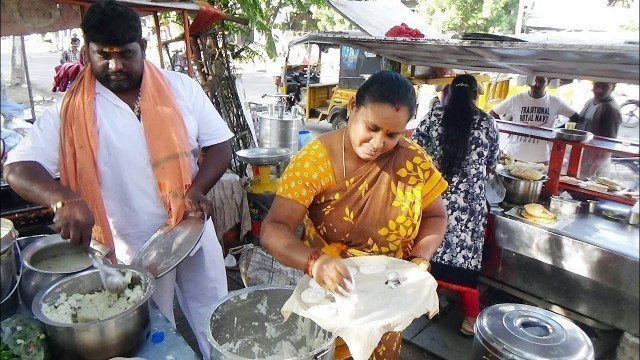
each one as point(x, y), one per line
point(27, 217)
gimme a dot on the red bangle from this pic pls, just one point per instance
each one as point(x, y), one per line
point(311, 259)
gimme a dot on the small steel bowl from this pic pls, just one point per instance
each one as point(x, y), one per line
point(573, 135)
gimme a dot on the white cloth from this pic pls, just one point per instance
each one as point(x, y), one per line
point(373, 308)
point(230, 205)
point(540, 112)
point(128, 188)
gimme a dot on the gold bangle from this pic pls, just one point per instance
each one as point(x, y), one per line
point(55, 207)
point(421, 262)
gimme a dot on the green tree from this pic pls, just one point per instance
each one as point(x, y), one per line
point(327, 19)
point(263, 16)
point(460, 16)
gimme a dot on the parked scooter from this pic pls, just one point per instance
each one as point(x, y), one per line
point(296, 79)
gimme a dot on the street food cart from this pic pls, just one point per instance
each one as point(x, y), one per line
point(587, 266)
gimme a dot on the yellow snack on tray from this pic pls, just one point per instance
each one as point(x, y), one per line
point(527, 174)
point(537, 210)
point(528, 216)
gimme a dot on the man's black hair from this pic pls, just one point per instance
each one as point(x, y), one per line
point(108, 22)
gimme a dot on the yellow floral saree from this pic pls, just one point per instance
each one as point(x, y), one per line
point(375, 211)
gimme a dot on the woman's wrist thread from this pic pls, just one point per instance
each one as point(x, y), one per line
point(311, 259)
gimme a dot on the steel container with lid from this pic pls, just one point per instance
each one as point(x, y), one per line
point(248, 324)
point(8, 268)
point(279, 131)
point(523, 332)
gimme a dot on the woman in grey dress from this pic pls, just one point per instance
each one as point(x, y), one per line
point(463, 142)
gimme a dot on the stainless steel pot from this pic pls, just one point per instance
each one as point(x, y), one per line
point(7, 257)
point(523, 332)
point(563, 206)
point(35, 279)
point(279, 132)
point(11, 302)
point(119, 335)
point(242, 320)
point(520, 191)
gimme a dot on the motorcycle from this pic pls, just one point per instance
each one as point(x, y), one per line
point(630, 111)
point(296, 79)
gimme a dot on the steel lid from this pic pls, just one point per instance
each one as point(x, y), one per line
point(9, 234)
point(166, 249)
point(287, 116)
point(516, 331)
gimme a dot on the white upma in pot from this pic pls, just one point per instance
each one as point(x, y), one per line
point(83, 308)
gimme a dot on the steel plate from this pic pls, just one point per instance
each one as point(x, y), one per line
point(264, 156)
point(166, 249)
point(573, 135)
point(506, 174)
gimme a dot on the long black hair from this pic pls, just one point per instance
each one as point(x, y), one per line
point(387, 87)
point(457, 123)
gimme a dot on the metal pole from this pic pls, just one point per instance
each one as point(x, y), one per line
point(26, 74)
point(187, 41)
point(520, 17)
point(156, 20)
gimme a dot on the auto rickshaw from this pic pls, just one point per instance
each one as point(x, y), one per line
point(324, 96)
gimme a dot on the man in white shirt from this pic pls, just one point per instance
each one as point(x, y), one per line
point(126, 141)
point(537, 108)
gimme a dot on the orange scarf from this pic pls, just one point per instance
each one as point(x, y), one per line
point(164, 131)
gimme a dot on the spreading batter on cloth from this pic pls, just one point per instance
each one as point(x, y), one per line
point(362, 318)
point(360, 191)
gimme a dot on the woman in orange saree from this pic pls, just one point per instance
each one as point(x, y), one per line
point(361, 190)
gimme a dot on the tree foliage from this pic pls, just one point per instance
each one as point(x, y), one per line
point(460, 16)
point(328, 19)
point(264, 16)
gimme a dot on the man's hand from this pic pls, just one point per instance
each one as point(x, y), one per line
point(198, 204)
point(74, 221)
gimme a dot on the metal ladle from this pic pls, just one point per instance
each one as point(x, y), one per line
point(112, 279)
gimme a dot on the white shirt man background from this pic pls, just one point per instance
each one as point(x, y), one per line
point(536, 108)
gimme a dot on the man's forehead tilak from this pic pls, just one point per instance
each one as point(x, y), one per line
point(112, 49)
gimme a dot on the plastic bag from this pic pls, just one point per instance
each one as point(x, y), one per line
point(494, 190)
point(257, 267)
point(23, 336)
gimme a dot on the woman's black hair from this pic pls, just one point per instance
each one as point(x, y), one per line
point(388, 87)
point(110, 23)
point(457, 122)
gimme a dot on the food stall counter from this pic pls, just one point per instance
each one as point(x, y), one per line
point(587, 265)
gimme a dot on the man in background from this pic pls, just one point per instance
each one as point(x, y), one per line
point(601, 116)
point(72, 54)
point(535, 107)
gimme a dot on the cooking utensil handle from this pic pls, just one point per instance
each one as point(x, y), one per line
point(322, 353)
